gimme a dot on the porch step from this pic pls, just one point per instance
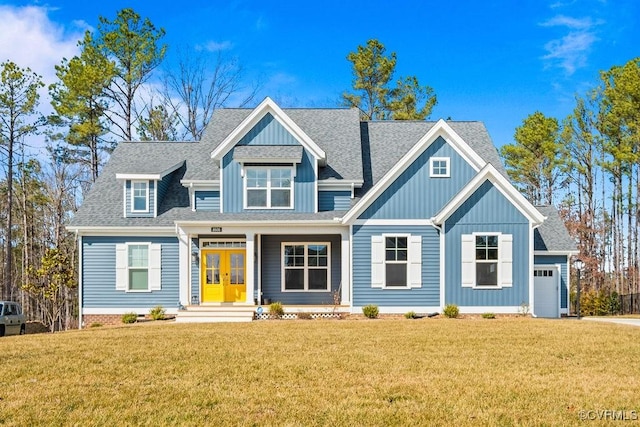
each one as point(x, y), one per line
point(216, 313)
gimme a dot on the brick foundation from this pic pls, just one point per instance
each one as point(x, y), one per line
point(104, 319)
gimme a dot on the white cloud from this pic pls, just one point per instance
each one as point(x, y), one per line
point(571, 51)
point(261, 23)
point(214, 46)
point(31, 40)
point(572, 23)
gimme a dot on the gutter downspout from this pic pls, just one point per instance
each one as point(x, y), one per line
point(80, 304)
point(442, 261)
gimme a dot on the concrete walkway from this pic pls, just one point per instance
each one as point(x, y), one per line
point(620, 320)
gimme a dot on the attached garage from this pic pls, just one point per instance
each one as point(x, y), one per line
point(546, 283)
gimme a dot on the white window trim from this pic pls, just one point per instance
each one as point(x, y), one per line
point(154, 267)
point(268, 188)
point(500, 262)
point(414, 279)
point(447, 162)
point(306, 267)
point(146, 209)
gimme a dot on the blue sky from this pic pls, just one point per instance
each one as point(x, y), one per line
point(492, 61)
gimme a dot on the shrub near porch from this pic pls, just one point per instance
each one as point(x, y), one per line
point(392, 372)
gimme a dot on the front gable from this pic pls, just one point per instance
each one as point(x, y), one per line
point(258, 126)
point(268, 131)
point(500, 184)
point(487, 212)
point(268, 163)
point(418, 192)
point(441, 135)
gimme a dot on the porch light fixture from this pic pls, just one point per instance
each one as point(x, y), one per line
point(194, 257)
point(578, 264)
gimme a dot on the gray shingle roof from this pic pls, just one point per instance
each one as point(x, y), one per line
point(386, 142)
point(346, 141)
point(336, 131)
point(552, 235)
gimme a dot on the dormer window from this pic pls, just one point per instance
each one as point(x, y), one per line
point(139, 196)
point(439, 167)
point(268, 187)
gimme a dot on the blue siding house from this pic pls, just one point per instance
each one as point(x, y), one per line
point(320, 211)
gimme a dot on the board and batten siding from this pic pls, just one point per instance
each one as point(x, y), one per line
point(415, 195)
point(488, 211)
point(428, 295)
point(268, 131)
point(334, 200)
point(152, 201)
point(99, 274)
point(304, 192)
point(272, 270)
point(207, 201)
point(163, 186)
point(553, 260)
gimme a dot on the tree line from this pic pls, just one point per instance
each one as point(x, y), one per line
point(102, 96)
point(588, 164)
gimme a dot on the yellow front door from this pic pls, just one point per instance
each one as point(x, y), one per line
point(223, 275)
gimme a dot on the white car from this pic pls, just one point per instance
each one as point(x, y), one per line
point(12, 321)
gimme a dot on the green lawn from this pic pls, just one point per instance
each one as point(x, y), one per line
point(323, 372)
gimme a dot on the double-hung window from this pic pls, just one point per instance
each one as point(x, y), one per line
point(269, 187)
point(487, 260)
point(306, 266)
point(139, 196)
point(396, 261)
point(138, 267)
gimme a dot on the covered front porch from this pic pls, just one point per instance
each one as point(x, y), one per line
point(236, 267)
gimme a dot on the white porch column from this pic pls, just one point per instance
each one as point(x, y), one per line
point(249, 266)
point(345, 263)
point(184, 262)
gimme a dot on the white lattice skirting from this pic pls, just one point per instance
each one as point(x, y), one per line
point(293, 316)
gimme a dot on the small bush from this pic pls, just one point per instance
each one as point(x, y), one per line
point(95, 325)
point(276, 309)
point(157, 313)
point(371, 311)
point(488, 316)
point(304, 316)
point(597, 303)
point(410, 315)
point(129, 318)
point(451, 311)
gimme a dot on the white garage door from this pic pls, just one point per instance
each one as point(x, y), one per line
point(545, 282)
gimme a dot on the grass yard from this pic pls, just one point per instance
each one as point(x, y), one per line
point(324, 372)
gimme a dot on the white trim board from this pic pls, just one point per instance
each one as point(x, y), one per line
point(124, 231)
point(409, 222)
point(401, 310)
point(149, 176)
point(561, 253)
point(503, 309)
point(123, 310)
